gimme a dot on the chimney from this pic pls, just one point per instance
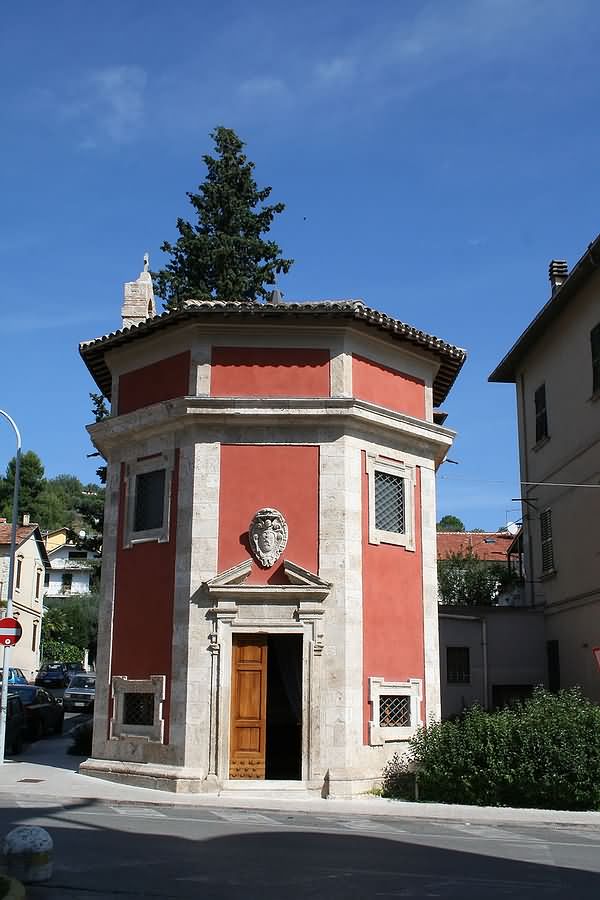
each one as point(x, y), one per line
point(558, 272)
point(275, 297)
point(25, 518)
point(138, 298)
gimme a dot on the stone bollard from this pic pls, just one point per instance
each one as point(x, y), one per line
point(27, 853)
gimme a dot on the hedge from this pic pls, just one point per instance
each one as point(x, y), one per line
point(541, 753)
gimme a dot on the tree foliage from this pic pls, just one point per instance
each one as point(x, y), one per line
point(70, 624)
point(63, 501)
point(543, 752)
point(31, 484)
point(223, 256)
point(463, 578)
point(450, 523)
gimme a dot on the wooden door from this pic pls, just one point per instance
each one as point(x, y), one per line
point(248, 707)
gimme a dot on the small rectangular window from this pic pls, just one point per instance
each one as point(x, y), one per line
point(546, 540)
point(149, 500)
point(541, 414)
point(38, 579)
point(18, 573)
point(34, 637)
point(138, 709)
point(458, 665)
point(66, 583)
point(389, 502)
point(595, 341)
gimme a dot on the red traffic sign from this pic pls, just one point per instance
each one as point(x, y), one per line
point(10, 632)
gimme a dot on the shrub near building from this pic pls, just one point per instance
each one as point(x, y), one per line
point(541, 753)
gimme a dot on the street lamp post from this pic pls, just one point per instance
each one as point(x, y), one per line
point(11, 576)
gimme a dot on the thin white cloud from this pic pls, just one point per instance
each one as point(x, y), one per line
point(105, 107)
point(263, 87)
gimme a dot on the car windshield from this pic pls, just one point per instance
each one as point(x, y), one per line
point(83, 681)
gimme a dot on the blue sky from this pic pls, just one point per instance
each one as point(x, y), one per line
point(433, 156)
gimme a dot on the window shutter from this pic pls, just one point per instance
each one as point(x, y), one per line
point(541, 415)
point(546, 538)
point(595, 341)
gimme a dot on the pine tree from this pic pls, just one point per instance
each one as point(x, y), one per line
point(223, 256)
point(31, 485)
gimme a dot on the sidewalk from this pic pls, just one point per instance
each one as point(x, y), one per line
point(50, 775)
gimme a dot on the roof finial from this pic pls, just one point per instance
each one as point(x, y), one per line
point(146, 262)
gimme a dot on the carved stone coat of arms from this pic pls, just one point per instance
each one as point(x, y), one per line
point(268, 536)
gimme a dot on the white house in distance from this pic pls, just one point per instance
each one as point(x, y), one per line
point(30, 564)
point(71, 568)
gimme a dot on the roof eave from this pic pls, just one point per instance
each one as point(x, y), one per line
point(505, 371)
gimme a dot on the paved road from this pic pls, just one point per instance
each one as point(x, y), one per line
point(124, 852)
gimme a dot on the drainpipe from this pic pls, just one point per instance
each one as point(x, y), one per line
point(484, 649)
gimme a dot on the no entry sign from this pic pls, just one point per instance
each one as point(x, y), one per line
point(10, 632)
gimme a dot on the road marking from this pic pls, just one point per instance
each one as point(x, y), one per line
point(139, 812)
point(39, 804)
point(245, 818)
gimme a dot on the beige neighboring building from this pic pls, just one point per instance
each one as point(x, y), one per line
point(30, 565)
point(555, 366)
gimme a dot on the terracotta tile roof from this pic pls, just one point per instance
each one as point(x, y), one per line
point(451, 358)
point(489, 545)
point(23, 532)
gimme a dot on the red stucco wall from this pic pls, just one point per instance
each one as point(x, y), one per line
point(162, 380)
point(286, 478)
point(143, 608)
point(267, 372)
point(379, 384)
point(392, 605)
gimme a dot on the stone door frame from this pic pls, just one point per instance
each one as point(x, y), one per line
point(239, 609)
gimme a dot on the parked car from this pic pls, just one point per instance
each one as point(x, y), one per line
point(44, 714)
point(15, 724)
point(52, 675)
point(15, 676)
point(80, 694)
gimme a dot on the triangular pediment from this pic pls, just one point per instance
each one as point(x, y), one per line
point(302, 583)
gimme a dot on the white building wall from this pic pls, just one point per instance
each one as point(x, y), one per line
point(561, 359)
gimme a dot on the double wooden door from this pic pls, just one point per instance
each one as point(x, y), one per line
point(247, 755)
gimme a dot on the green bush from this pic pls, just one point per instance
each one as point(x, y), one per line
point(541, 753)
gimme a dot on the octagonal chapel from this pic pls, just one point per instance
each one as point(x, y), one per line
point(269, 595)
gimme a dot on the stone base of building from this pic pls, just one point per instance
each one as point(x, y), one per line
point(338, 784)
point(162, 778)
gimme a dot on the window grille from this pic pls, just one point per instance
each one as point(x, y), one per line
point(458, 665)
point(138, 709)
point(546, 539)
point(394, 711)
point(389, 502)
point(149, 500)
point(595, 341)
point(541, 414)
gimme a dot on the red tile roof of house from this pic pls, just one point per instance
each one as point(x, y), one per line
point(489, 545)
point(23, 532)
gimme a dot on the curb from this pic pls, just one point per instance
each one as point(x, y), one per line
point(16, 891)
point(466, 815)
